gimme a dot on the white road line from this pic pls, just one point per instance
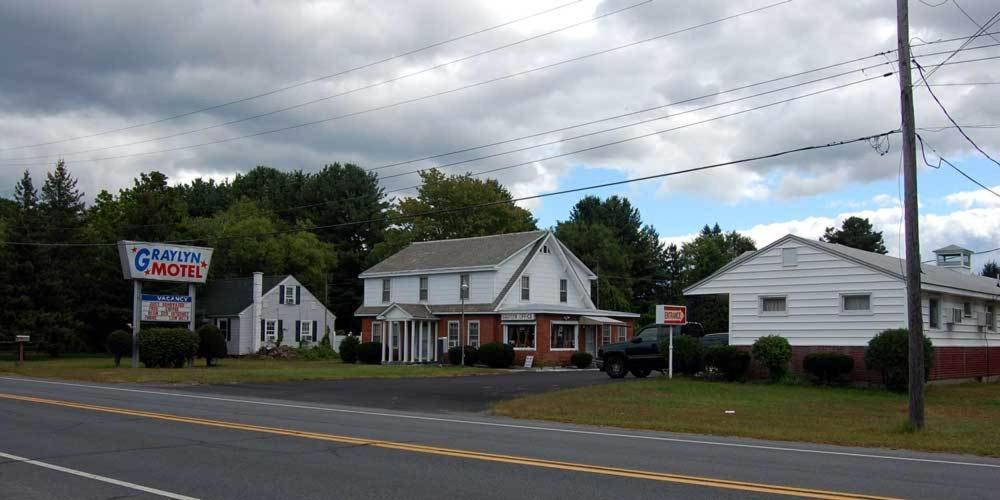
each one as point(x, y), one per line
point(517, 426)
point(96, 477)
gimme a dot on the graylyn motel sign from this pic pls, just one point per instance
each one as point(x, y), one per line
point(161, 262)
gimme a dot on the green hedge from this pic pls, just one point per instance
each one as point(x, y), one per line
point(211, 343)
point(167, 347)
point(370, 353)
point(349, 350)
point(828, 367)
point(888, 354)
point(496, 355)
point(120, 345)
point(731, 363)
point(689, 354)
point(581, 359)
point(471, 355)
point(774, 352)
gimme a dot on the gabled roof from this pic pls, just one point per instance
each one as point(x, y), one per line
point(415, 311)
point(893, 266)
point(230, 296)
point(457, 254)
point(953, 249)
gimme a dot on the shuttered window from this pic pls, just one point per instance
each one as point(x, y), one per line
point(385, 290)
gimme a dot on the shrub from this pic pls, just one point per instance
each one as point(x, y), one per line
point(774, 352)
point(167, 347)
point(828, 367)
point(349, 350)
point(496, 355)
point(581, 359)
point(370, 353)
point(317, 352)
point(211, 343)
point(888, 354)
point(325, 340)
point(730, 362)
point(120, 345)
point(689, 354)
point(455, 355)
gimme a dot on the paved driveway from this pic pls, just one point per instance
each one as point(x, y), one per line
point(438, 394)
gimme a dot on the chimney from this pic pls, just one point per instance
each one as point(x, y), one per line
point(955, 258)
point(258, 290)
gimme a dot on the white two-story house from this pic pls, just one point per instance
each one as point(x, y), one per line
point(525, 289)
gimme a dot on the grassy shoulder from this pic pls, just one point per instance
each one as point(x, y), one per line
point(229, 370)
point(960, 418)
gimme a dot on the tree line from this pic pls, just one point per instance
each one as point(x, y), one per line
point(71, 297)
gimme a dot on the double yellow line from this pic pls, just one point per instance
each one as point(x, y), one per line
point(473, 455)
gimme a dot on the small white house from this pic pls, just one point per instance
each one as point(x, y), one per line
point(823, 296)
point(257, 311)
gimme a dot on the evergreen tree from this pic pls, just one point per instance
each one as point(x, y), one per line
point(991, 270)
point(858, 233)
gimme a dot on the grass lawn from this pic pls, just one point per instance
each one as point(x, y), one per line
point(230, 370)
point(960, 418)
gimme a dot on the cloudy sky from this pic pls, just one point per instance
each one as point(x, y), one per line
point(76, 77)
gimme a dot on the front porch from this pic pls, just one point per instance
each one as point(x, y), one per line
point(410, 336)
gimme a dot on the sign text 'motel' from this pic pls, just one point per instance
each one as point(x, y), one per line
point(161, 262)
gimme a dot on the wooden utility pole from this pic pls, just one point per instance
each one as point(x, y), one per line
point(914, 314)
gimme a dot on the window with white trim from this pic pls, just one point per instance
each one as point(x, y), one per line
point(605, 334)
point(967, 309)
point(773, 305)
point(377, 331)
point(525, 288)
point(473, 333)
point(563, 336)
point(453, 333)
point(622, 333)
point(464, 287)
point(856, 302)
point(223, 325)
point(270, 330)
point(563, 290)
point(934, 312)
point(386, 289)
point(520, 336)
point(423, 288)
point(306, 331)
point(290, 295)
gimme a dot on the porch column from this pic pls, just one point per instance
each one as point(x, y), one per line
point(392, 342)
point(434, 339)
point(385, 346)
point(409, 333)
point(427, 343)
point(413, 341)
point(406, 342)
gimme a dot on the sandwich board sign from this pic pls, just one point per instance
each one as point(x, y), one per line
point(161, 262)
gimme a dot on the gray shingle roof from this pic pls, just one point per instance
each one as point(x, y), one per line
point(230, 296)
point(953, 249)
point(461, 253)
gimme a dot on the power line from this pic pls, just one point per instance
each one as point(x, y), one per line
point(952, 120)
point(346, 92)
point(970, 18)
point(300, 84)
point(398, 218)
point(437, 94)
point(979, 32)
point(942, 159)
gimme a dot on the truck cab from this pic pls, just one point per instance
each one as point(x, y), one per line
point(639, 356)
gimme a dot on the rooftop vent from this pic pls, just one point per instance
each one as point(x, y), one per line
point(955, 258)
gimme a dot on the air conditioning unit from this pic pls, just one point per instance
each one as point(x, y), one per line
point(984, 319)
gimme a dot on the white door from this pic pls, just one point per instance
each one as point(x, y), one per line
point(590, 339)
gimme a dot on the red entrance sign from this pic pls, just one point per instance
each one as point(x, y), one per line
point(671, 315)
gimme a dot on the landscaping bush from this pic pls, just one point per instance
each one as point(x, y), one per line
point(325, 340)
point(888, 354)
point(581, 359)
point(166, 347)
point(496, 355)
point(730, 362)
point(689, 354)
point(774, 352)
point(120, 345)
point(370, 353)
point(828, 367)
point(316, 352)
point(455, 355)
point(349, 350)
point(211, 343)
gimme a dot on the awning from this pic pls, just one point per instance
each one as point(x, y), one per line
point(599, 320)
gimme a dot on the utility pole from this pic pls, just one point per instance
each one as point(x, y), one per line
point(914, 314)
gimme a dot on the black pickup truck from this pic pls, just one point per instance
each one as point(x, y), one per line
point(641, 354)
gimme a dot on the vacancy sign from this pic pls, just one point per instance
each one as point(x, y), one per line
point(671, 315)
point(166, 308)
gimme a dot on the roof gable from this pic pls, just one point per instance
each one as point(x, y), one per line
point(454, 254)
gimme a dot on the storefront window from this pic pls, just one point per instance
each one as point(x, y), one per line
point(563, 336)
point(521, 336)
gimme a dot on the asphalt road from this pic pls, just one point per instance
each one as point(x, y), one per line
point(95, 441)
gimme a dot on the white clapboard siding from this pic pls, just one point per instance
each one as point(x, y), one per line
point(442, 288)
point(544, 272)
point(966, 334)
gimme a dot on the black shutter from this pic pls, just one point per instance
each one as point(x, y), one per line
point(229, 329)
point(316, 336)
point(261, 330)
point(298, 331)
point(281, 332)
point(298, 294)
point(281, 294)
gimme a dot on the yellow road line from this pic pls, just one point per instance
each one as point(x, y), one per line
point(475, 455)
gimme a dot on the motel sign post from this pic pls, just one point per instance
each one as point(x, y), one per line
point(673, 316)
point(143, 261)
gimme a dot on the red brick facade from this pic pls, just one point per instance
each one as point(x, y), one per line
point(491, 330)
point(949, 362)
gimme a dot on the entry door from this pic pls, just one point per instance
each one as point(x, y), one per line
point(590, 339)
